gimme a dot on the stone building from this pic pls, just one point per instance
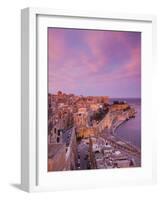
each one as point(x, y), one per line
point(60, 120)
point(119, 106)
point(62, 156)
point(56, 157)
point(81, 118)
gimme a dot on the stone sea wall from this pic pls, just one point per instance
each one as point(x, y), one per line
point(111, 121)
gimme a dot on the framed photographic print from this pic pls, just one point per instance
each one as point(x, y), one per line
point(86, 99)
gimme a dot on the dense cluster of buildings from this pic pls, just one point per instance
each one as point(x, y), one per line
point(67, 114)
point(73, 119)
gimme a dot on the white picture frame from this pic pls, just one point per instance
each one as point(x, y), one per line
point(34, 22)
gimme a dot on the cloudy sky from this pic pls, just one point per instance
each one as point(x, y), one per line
point(94, 62)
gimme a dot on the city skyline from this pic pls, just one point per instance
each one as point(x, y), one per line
point(94, 62)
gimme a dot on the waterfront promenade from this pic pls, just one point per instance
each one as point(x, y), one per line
point(114, 140)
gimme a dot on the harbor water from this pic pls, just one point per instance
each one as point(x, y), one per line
point(130, 131)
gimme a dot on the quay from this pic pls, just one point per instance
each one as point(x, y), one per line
point(122, 145)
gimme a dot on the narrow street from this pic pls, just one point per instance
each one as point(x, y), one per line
point(83, 155)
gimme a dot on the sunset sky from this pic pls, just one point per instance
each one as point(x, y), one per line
point(94, 62)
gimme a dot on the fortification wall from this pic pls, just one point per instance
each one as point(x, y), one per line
point(109, 121)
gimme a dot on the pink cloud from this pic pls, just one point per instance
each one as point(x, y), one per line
point(91, 59)
point(135, 62)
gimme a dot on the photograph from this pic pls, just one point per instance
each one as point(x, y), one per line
point(94, 99)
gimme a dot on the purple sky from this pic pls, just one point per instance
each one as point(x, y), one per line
point(93, 62)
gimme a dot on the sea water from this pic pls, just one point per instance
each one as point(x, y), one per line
point(130, 131)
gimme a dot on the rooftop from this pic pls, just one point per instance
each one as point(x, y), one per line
point(53, 149)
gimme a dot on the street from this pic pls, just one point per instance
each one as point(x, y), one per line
point(83, 155)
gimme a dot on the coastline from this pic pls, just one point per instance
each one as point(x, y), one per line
point(130, 131)
point(121, 139)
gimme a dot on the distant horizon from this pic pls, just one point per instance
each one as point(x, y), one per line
point(98, 96)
